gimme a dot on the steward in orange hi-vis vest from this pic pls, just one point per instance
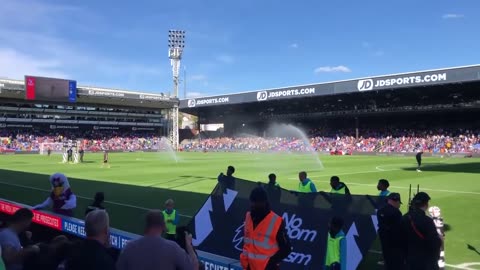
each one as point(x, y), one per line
point(260, 243)
point(265, 243)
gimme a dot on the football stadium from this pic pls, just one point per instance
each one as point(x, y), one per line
point(119, 142)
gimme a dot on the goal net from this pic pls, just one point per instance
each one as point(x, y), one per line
point(56, 148)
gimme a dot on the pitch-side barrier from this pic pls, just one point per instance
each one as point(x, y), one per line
point(118, 238)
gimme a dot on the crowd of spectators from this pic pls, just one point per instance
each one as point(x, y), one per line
point(90, 141)
point(345, 141)
point(404, 141)
point(19, 252)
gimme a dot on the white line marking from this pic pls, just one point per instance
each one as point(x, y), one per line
point(350, 173)
point(427, 189)
point(459, 267)
point(463, 266)
point(86, 198)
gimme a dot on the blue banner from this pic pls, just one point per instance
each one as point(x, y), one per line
point(72, 91)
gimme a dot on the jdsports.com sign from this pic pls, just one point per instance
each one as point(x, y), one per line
point(369, 84)
point(264, 95)
point(207, 101)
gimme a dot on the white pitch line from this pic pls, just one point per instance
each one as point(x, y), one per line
point(460, 266)
point(399, 187)
point(350, 173)
point(86, 198)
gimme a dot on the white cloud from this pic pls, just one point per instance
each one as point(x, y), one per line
point(294, 45)
point(15, 65)
point(453, 16)
point(32, 45)
point(331, 69)
point(225, 58)
point(194, 94)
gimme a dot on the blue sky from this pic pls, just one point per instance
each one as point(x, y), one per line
point(233, 46)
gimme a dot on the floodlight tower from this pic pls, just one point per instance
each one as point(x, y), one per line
point(176, 43)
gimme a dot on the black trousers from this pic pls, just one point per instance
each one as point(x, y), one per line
point(393, 258)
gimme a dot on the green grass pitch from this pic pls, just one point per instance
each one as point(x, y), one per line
point(139, 181)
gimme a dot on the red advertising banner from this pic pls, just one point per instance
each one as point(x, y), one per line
point(47, 220)
point(38, 217)
point(30, 88)
point(8, 208)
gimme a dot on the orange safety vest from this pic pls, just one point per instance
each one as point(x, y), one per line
point(260, 244)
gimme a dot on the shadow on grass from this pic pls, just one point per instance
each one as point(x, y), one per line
point(447, 227)
point(472, 248)
point(126, 204)
point(467, 167)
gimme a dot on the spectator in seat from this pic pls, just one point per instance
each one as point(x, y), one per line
point(97, 203)
point(92, 253)
point(61, 198)
point(152, 251)
point(50, 256)
point(13, 254)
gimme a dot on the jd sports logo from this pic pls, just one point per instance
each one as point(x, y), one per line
point(261, 96)
point(365, 85)
point(191, 103)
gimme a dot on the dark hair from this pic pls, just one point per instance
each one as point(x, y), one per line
point(23, 214)
point(303, 173)
point(335, 179)
point(258, 194)
point(384, 182)
point(231, 169)
point(99, 197)
point(272, 177)
point(154, 218)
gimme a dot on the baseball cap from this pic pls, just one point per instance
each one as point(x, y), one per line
point(394, 196)
point(421, 197)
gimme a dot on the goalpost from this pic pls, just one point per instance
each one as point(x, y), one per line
point(56, 148)
point(62, 148)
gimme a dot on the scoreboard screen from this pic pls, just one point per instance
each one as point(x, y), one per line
point(50, 89)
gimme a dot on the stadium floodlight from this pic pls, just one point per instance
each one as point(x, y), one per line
point(176, 44)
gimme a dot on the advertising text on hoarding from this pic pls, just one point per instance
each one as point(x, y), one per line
point(264, 95)
point(105, 93)
point(152, 97)
point(207, 101)
point(369, 84)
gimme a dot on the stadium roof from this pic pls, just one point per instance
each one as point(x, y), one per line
point(425, 78)
point(15, 90)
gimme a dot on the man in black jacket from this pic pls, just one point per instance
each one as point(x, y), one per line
point(390, 232)
point(423, 240)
